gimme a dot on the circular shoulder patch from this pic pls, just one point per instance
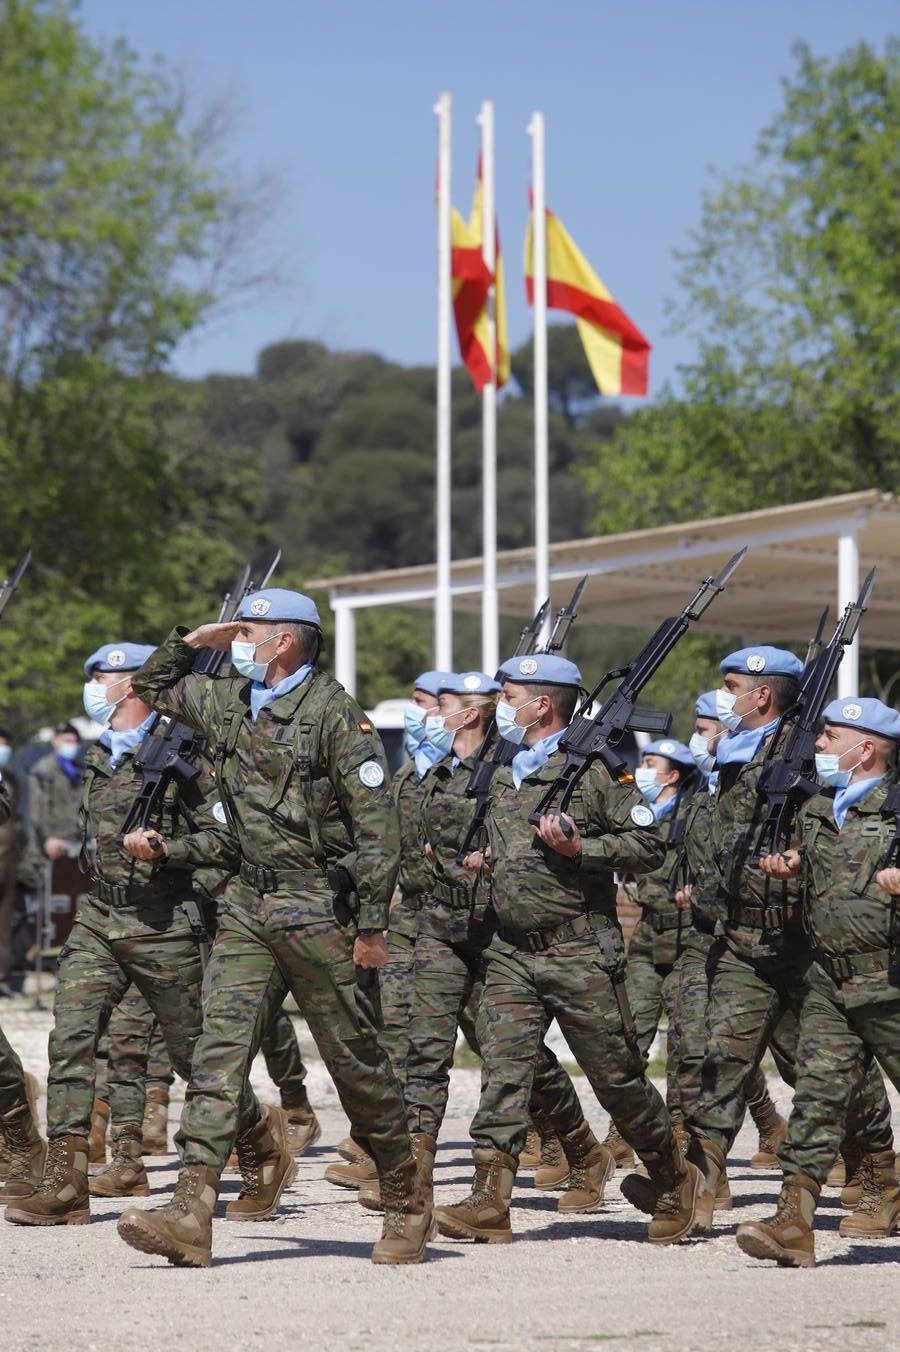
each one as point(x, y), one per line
point(528, 666)
point(115, 658)
point(472, 682)
point(219, 812)
point(756, 662)
point(260, 606)
point(852, 712)
point(641, 815)
point(371, 774)
point(666, 748)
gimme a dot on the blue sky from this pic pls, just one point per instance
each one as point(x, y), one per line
point(641, 100)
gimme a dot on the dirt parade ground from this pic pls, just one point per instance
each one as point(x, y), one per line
point(305, 1280)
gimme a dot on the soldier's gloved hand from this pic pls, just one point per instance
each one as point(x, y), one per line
point(218, 636)
point(54, 847)
point(786, 865)
point(560, 833)
point(370, 950)
point(146, 845)
point(889, 880)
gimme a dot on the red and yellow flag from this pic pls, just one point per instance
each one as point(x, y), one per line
point(471, 284)
point(617, 351)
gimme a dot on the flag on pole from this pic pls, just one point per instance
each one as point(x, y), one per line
point(617, 352)
point(472, 282)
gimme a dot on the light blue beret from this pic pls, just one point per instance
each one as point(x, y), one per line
point(672, 750)
point(865, 713)
point(470, 683)
point(762, 660)
point(277, 603)
point(118, 657)
point(706, 705)
point(540, 669)
point(432, 681)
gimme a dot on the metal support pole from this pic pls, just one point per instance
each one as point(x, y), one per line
point(848, 590)
point(443, 605)
point(541, 454)
point(345, 645)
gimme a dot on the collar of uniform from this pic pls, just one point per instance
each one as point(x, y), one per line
point(874, 799)
point(285, 706)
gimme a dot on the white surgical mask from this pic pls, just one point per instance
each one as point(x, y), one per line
point(725, 702)
point(507, 726)
point(704, 760)
point(97, 704)
point(828, 768)
point(5, 755)
point(68, 750)
point(243, 657)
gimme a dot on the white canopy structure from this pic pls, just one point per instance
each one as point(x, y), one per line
point(801, 557)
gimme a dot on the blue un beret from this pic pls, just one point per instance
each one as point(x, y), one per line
point(540, 669)
point(470, 683)
point(706, 705)
point(672, 750)
point(865, 713)
point(118, 657)
point(277, 603)
point(762, 660)
point(432, 681)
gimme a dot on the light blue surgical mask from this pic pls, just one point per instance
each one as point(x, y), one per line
point(243, 658)
point(828, 768)
point(507, 726)
point(97, 704)
point(414, 723)
point(704, 760)
point(5, 755)
point(437, 734)
point(725, 702)
point(647, 783)
point(69, 750)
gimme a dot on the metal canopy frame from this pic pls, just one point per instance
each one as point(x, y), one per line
point(801, 557)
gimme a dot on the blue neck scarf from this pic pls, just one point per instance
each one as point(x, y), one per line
point(531, 758)
point(661, 810)
point(739, 748)
point(71, 769)
point(261, 695)
point(854, 793)
point(426, 755)
point(117, 743)
point(712, 783)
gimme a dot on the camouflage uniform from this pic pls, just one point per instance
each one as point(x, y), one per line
point(454, 932)
point(851, 1015)
point(304, 787)
point(11, 842)
point(12, 1079)
point(757, 969)
point(397, 976)
point(558, 951)
point(54, 808)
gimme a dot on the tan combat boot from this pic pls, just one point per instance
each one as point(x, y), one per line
point(788, 1235)
point(424, 1151)
point(773, 1130)
point(181, 1231)
point(877, 1214)
point(618, 1147)
point(530, 1157)
point(591, 1166)
point(154, 1131)
point(26, 1154)
point(408, 1217)
point(357, 1171)
point(267, 1168)
point(61, 1197)
point(125, 1176)
point(853, 1154)
point(97, 1137)
point(484, 1214)
point(676, 1185)
point(712, 1165)
point(303, 1129)
point(553, 1170)
point(349, 1150)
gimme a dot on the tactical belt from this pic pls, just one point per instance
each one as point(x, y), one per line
point(132, 894)
point(844, 966)
point(264, 879)
point(538, 941)
point(661, 923)
point(761, 917)
point(455, 895)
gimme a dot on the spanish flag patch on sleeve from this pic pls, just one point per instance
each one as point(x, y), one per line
point(366, 726)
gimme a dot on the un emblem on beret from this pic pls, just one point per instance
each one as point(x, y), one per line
point(756, 662)
point(371, 774)
point(852, 712)
point(641, 815)
point(260, 606)
point(472, 682)
point(115, 658)
point(666, 748)
point(528, 666)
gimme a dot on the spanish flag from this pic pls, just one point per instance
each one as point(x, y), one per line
point(617, 351)
point(472, 281)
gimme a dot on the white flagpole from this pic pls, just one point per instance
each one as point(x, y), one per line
point(541, 458)
point(443, 602)
point(490, 627)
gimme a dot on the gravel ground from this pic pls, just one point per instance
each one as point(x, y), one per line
point(563, 1286)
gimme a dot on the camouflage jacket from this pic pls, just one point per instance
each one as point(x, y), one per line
point(408, 790)
point(534, 887)
point(708, 903)
point(54, 803)
point(654, 888)
point(305, 786)
point(201, 854)
point(456, 898)
point(845, 909)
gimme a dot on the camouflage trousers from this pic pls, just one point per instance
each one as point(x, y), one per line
point(651, 982)
point(748, 999)
point(12, 1078)
point(131, 1058)
point(94, 974)
point(447, 994)
point(292, 940)
point(844, 1030)
point(571, 982)
point(396, 982)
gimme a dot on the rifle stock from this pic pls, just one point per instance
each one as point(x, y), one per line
point(9, 586)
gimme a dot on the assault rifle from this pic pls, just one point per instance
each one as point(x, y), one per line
point(7, 588)
point(788, 777)
point(496, 750)
point(890, 857)
point(591, 738)
point(171, 750)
